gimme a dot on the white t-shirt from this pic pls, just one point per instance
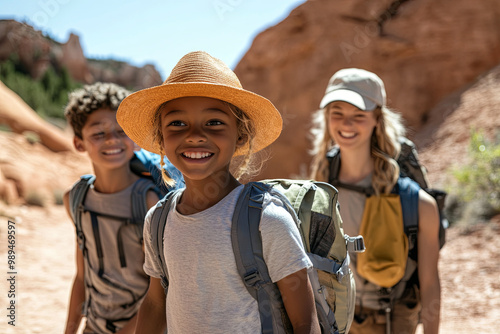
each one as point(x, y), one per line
point(206, 294)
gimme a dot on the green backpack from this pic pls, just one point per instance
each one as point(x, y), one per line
point(320, 225)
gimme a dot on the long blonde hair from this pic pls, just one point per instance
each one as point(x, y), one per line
point(385, 148)
point(240, 166)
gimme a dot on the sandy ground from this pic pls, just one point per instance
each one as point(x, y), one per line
point(44, 263)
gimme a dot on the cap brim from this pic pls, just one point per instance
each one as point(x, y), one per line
point(348, 96)
point(136, 113)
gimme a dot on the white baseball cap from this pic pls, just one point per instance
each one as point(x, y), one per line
point(363, 89)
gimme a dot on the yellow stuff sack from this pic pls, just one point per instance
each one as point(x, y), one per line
point(384, 261)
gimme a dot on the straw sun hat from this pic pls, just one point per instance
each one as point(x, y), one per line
point(197, 74)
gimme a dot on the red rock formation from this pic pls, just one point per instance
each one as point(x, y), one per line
point(125, 74)
point(422, 49)
point(30, 171)
point(40, 169)
point(74, 60)
point(28, 44)
point(37, 52)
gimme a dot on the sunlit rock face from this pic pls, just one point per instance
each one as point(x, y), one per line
point(423, 50)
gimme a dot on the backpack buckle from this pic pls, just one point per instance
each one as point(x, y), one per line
point(252, 278)
point(355, 244)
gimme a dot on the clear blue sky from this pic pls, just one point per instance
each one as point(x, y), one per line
point(156, 32)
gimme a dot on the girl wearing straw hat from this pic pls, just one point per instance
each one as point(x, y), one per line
point(204, 122)
point(355, 123)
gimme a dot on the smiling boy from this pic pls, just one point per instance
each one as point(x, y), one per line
point(110, 283)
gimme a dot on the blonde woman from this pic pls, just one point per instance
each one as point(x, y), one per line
point(355, 124)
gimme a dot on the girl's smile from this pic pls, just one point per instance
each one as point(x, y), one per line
point(200, 136)
point(347, 134)
point(197, 155)
point(350, 126)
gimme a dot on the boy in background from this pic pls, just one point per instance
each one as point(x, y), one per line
point(110, 282)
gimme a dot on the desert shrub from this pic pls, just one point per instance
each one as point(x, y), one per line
point(58, 197)
point(476, 190)
point(35, 198)
point(47, 95)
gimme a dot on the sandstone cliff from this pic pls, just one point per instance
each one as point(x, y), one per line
point(423, 50)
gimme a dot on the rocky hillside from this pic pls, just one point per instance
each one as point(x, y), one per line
point(445, 136)
point(37, 52)
point(424, 50)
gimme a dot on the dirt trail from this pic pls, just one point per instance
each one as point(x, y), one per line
point(45, 246)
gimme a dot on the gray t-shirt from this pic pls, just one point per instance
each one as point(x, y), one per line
point(106, 296)
point(206, 293)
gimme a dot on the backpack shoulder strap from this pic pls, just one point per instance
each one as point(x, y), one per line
point(76, 198)
point(408, 194)
point(139, 202)
point(157, 230)
point(333, 157)
point(247, 247)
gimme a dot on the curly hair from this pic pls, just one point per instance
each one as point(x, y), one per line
point(385, 148)
point(242, 165)
point(84, 101)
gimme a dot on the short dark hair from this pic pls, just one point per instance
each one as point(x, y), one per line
point(86, 100)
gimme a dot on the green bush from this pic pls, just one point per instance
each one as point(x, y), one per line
point(47, 96)
point(477, 184)
point(59, 197)
point(35, 198)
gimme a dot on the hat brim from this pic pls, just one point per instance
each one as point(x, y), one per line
point(136, 113)
point(348, 96)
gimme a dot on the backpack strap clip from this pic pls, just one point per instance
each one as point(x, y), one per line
point(252, 279)
point(355, 244)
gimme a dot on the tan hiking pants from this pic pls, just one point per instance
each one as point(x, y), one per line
point(403, 320)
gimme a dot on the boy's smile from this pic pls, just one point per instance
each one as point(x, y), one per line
point(104, 140)
point(200, 135)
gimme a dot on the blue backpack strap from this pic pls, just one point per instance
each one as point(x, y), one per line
point(408, 194)
point(139, 202)
point(247, 248)
point(76, 197)
point(157, 230)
